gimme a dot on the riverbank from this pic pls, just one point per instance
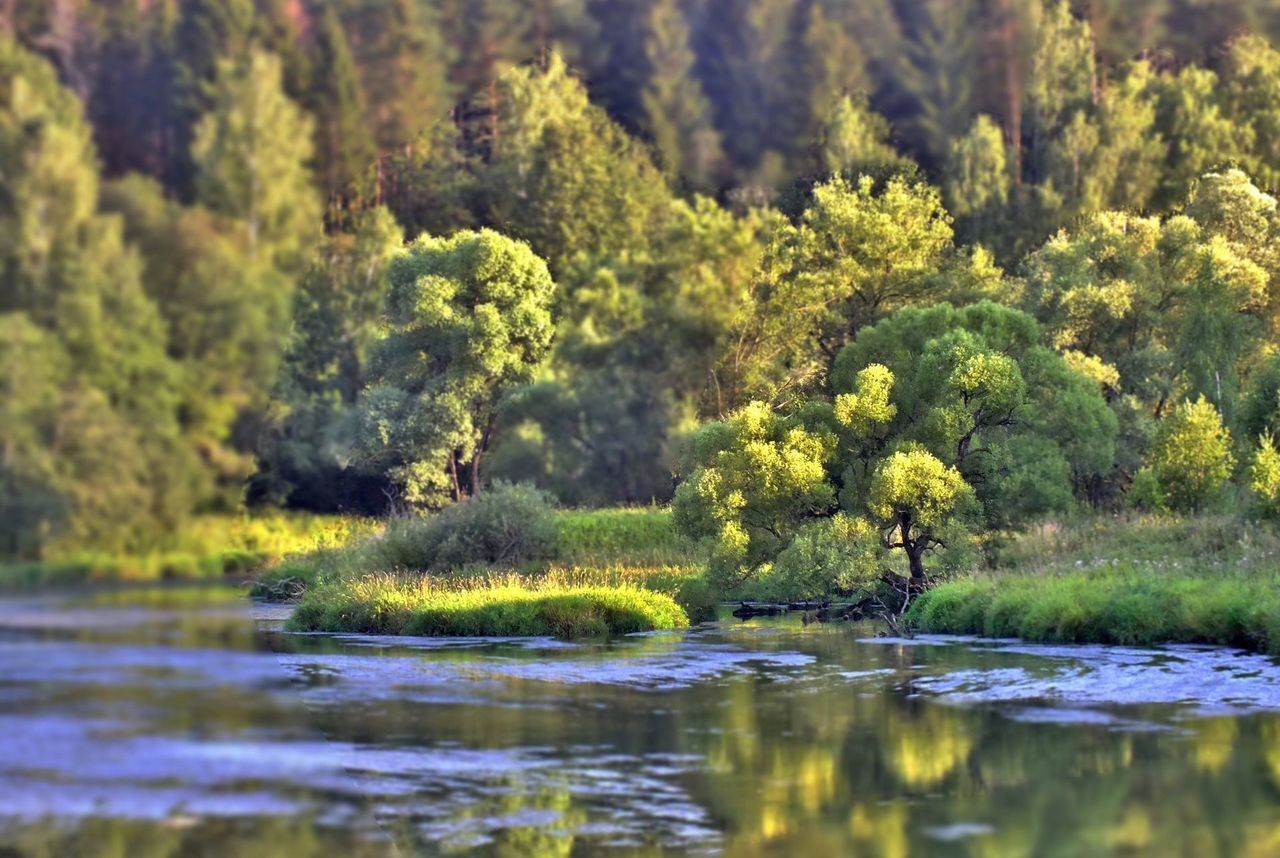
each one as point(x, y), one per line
point(1136, 581)
point(206, 549)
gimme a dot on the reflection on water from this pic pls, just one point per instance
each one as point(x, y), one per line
point(184, 722)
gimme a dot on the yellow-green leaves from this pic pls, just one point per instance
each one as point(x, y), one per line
point(761, 476)
point(1190, 460)
point(870, 406)
point(1264, 475)
point(915, 485)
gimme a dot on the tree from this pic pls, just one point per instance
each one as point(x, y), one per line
point(345, 143)
point(468, 319)
point(979, 179)
point(89, 449)
point(859, 252)
point(678, 115)
point(1264, 475)
point(304, 453)
point(1190, 460)
point(854, 140)
point(1252, 78)
point(251, 153)
point(596, 189)
point(916, 496)
point(938, 419)
point(402, 60)
point(208, 32)
point(1165, 302)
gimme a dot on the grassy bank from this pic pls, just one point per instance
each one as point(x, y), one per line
point(496, 605)
point(1129, 581)
point(208, 548)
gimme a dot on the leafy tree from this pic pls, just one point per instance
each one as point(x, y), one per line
point(402, 60)
point(1264, 475)
point(251, 153)
point(939, 417)
point(855, 140)
point(1190, 459)
point(858, 253)
point(979, 179)
point(304, 452)
point(1165, 303)
point(345, 146)
point(90, 443)
point(207, 33)
point(1252, 78)
point(468, 319)
point(596, 188)
point(916, 496)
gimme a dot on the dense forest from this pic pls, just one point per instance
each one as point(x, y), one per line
point(981, 258)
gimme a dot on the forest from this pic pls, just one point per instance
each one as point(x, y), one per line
point(852, 286)
point(640, 428)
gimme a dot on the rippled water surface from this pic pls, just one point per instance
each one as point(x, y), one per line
point(184, 722)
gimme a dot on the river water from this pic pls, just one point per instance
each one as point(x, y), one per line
point(185, 722)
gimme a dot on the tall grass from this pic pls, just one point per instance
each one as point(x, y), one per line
point(498, 605)
point(640, 536)
point(209, 547)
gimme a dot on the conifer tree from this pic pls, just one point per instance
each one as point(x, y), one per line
point(677, 114)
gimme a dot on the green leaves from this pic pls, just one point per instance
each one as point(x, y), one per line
point(914, 486)
point(1190, 459)
point(468, 319)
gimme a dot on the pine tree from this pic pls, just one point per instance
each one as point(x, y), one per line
point(678, 116)
point(344, 141)
point(402, 61)
point(207, 32)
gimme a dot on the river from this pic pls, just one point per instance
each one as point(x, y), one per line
point(154, 722)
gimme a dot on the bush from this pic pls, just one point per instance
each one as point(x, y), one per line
point(502, 606)
point(1191, 458)
point(506, 526)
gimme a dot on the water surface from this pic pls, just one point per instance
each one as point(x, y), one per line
point(186, 722)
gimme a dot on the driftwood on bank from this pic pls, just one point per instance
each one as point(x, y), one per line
point(881, 606)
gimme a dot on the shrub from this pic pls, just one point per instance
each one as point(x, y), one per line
point(1190, 459)
point(1264, 476)
point(505, 526)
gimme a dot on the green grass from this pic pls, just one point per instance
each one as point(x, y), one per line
point(499, 606)
point(208, 548)
point(1135, 581)
point(640, 536)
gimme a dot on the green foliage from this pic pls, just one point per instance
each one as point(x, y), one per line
point(251, 152)
point(1190, 458)
point(506, 526)
point(492, 607)
point(677, 112)
point(1264, 476)
point(468, 318)
point(304, 449)
point(829, 557)
point(940, 418)
point(859, 252)
point(761, 476)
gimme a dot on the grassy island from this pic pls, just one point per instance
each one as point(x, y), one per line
point(496, 606)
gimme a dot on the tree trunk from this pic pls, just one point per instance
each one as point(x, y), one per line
point(915, 558)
